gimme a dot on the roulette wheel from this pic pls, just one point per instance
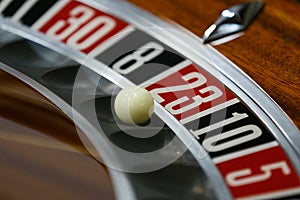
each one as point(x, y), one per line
point(214, 133)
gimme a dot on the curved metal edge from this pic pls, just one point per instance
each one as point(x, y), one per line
point(195, 148)
point(120, 183)
point(280, 125)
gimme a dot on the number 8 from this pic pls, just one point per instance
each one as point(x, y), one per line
point(142, 55)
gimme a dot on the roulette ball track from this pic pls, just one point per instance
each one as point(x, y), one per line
point(226, 136)
point(268, 52)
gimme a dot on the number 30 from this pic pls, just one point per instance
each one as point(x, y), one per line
point(77, 38)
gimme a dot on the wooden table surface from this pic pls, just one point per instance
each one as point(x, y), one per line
point(42, 156)
point(269, 51)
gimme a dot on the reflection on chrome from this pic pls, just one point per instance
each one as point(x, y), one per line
point(232, 20)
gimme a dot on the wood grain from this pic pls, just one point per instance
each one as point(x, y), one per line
point(41, 154)
point(269, 52)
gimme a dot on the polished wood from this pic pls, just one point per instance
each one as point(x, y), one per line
point(269, 51)
point(41, 154)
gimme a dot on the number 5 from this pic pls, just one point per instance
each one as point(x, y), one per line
point(234, 180)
